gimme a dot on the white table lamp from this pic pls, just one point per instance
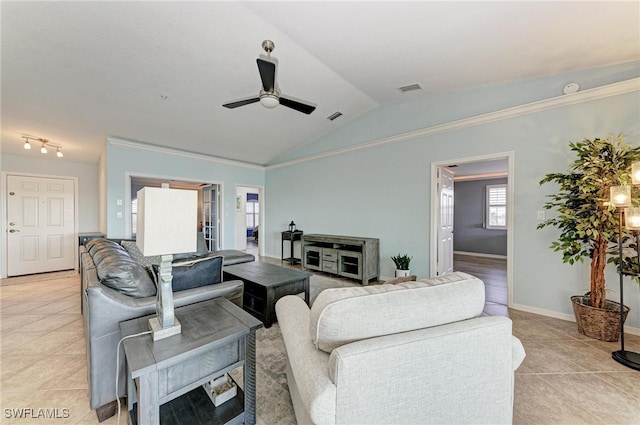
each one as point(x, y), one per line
point(167, 224)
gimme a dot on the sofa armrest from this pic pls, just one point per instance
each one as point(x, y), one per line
point(308, 365)
point(517, 351)
point(107, 308)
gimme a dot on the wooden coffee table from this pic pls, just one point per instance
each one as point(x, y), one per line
point(266, 283)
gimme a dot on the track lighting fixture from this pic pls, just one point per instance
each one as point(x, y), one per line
point(43, 147)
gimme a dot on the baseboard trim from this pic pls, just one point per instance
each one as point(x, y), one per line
point(562, 316)
point(480, 254)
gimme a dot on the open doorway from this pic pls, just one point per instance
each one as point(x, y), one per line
point(248, 219)
point(481, 242)
point(209, 205)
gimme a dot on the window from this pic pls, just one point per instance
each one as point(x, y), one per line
point(496, 206)
point(134, 217)
point(253, 214)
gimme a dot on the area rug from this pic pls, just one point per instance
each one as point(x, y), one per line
point(273, 402)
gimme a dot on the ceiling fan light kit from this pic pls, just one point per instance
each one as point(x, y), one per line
point(269, 100)
point(270, 96)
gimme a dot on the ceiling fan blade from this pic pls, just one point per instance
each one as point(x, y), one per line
point(241, 102)
point(267, 74)
point(305, 108)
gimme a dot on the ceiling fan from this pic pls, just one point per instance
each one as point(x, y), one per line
point(270, 95)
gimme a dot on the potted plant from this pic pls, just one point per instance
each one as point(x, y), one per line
point(402, 264)
point(588, 225)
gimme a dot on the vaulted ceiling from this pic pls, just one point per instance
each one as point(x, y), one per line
point(158, 72)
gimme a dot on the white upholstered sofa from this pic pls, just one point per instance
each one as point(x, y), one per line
point(411, 353)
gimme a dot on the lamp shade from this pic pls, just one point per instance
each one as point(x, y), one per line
point(635, 173)
point(632, 218)
point(621, 196)
point(167, 221)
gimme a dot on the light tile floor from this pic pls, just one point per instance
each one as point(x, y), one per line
point(566, 378)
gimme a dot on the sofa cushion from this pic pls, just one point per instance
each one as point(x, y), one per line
point(201, 250)
point(233, 256)
point(195, 273)
point(132, 248)
point(343, 315)
point(400, 279)
point(118, 270)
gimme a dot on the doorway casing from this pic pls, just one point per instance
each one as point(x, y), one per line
point(182, 183)
point(509, 156)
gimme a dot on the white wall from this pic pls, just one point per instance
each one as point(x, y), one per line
point(34, 164)
point(86, 173)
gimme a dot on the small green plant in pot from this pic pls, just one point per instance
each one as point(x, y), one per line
point(587, 222)
point(402, 264)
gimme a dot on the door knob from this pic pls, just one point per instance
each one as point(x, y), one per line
point(13, 231)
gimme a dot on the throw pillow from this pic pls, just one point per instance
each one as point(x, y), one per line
point(193, 274)
point(400, 279)
point(136, 254)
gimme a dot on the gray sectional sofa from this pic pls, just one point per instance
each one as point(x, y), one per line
point(116, 287)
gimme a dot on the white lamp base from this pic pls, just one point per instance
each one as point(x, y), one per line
point(160, 333)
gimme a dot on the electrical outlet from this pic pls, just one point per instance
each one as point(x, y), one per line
point(541, 215)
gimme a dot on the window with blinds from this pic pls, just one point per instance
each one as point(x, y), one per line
point(496, 206)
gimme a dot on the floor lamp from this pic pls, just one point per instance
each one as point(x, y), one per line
point(621, 197)
point(166, 224)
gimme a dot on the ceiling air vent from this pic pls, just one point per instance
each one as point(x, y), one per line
point(334, 116)
point(409, 88)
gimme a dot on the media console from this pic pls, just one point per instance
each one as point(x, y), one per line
point(348, 256)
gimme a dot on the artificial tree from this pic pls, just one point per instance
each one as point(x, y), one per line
point(587, 222)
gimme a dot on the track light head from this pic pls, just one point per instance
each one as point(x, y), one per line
point(43, 147)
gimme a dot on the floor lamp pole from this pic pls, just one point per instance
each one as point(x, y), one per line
point(627, 358)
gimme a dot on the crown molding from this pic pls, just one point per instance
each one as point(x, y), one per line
point(177, 152)
point(589, 95)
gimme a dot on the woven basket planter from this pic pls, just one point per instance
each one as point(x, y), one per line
point(602, 324)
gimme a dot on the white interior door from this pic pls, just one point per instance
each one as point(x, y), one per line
point(41, 233)
point(211, 216)
point(445, 221)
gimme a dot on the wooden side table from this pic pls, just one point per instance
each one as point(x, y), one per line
point(164, 378)
point(291, 236)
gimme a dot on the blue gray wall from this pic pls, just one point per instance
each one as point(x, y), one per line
point(360, 180)
point(470, 234)
point(124, 158)
point(372, 177)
